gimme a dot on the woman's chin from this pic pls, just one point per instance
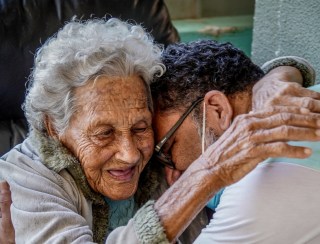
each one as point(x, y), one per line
point(121, 192)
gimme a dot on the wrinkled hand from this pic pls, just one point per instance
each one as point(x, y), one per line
point(255, 137)
point(249, 140)
point(6, 227)
point(281, 87)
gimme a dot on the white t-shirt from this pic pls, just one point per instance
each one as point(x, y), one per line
point(276, 203)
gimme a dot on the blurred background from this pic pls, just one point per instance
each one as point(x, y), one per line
point(229, 20)
point(262, 29)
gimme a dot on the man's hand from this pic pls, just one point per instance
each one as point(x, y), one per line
point(6, 227)
point(282, 87)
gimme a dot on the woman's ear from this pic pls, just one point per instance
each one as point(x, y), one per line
point(50, 128)
point(218, 110)
point(172, 175)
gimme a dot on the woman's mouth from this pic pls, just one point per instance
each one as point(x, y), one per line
point(123, 175)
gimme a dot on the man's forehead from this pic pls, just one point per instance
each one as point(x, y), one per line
point(163, 122)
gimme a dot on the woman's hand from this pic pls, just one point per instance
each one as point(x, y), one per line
point(250, 139)
point(6, 227)
point(282, 87)
point(257, 136)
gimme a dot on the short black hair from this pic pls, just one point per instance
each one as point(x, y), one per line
point(197, 67)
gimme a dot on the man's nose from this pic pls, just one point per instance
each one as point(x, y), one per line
point(128, 151)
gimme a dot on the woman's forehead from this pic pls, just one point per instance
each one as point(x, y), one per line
point(116, 100)
point(127, 92)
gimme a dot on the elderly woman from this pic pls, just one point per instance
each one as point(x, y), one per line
point(82, 172)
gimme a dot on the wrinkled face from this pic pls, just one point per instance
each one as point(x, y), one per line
point(185, 144)
point(111, 134)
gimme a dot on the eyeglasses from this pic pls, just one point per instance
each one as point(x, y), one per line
point(160, 156)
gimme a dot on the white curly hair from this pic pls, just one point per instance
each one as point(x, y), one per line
point(80, 52)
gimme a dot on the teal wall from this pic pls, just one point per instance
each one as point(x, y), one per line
point(225, 21)
point(234, 29)
point(185, 9)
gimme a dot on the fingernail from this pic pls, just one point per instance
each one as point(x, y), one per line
point(307, 151)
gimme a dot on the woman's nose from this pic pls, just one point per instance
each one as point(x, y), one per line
point(128, 151)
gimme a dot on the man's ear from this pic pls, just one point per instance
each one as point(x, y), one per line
point(172, 175)
point(218, 110)
point(50, 128)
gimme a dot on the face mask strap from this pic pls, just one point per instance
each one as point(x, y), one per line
point(203, 127)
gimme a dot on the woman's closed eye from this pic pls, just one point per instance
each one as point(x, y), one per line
point(139, 129)
point(104, 134)
point(107, 132)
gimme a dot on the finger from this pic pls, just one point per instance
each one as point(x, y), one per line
point(276, 109)
point(290, 151)
point(5, 203)
point(262, 141)
point(284, 133)
point(272, 119)
point(234, 168)
point(304, 102)
point(299, 91)
point(5, 194)
point(275, 150)
point(172, 175)
point(266, 130)
point(247, 160)
point(298, 120)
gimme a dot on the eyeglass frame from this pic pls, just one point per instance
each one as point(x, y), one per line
point(162, 158)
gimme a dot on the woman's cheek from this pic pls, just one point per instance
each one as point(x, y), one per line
point(146, 144)
point(95, 157)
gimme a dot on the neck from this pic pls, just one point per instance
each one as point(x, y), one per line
point(241, 103)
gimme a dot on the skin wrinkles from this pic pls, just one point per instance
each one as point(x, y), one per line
point(111, 134)
point(115, 97)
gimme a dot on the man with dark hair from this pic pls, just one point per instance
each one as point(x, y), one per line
point(206, 89)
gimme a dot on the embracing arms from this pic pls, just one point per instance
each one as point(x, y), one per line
point(249, 140)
